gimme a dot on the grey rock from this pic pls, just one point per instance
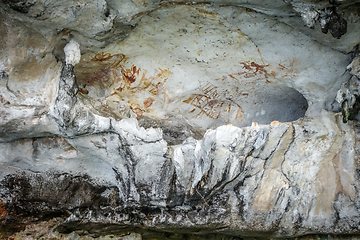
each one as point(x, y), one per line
point(192, 122)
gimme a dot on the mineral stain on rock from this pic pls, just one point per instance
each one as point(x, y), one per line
point(2, 210)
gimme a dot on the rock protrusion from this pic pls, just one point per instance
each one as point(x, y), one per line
point(68, 88)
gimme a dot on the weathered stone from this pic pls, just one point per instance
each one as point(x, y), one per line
point(178, 120)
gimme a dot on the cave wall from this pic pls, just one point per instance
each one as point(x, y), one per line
point(175, 119)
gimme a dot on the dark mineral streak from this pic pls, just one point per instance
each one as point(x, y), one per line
point(334, 23)
point(66, 99)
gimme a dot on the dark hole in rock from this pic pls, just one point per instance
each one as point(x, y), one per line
point(285, 105)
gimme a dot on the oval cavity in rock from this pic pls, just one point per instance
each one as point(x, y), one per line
point(284, 105)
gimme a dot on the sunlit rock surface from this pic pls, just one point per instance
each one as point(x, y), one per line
point(153, 119)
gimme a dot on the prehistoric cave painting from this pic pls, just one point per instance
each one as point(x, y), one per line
point(137, 87)
point(130, 74)
point(102, 71)
point(147, 91)
point(266, 72)
point(114, 62)
point(253, 70)
point(223, 98)
point(214, 104)
point(117, 58)
point(111, 70)
point(286, 72)
point(223, 103)
point(126, 90)
point(148, 102)
point(113, 73)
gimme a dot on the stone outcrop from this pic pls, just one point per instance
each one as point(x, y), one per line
point(153, 119)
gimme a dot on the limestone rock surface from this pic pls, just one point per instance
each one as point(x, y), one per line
point(177, 120)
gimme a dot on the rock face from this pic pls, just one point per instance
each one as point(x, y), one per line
point(155, 119)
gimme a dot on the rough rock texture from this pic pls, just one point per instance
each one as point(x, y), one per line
point(182, 120)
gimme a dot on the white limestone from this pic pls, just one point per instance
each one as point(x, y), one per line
point(273, 158)
point(72, 53)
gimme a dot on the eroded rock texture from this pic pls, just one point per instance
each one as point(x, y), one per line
point(180, 120)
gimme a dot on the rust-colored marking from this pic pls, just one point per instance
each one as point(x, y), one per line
point(130, 74)
point(2, 210)
point(282, 67)
point(65, 32)
point(254, 67)
point(143, 13)
point(148, 102)
point(153, 85)
point(202, 11)
point(274, 123)
point(258, 67)
point(214, 104)
point(83, 91)
point(108, 71)
point(253, 70)
point(101, 75)
point(286, 72)
point(188, 100)
point(117, 59)
point(246, 66)
point(230, 75)
point(138, 112)
point(102, 57)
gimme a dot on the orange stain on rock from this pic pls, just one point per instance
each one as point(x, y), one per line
point(214, 104)
point(83, 91)
point(258, 67)
point(2, 210)
point(148, 102)
point(274, 123)
point(102, 57)
point(138, 112)
point(112, 72)
point(254, 70)
point(130, 74)
point(101, 75)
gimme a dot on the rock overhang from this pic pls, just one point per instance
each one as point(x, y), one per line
point(184, 69)
point(222, 69)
